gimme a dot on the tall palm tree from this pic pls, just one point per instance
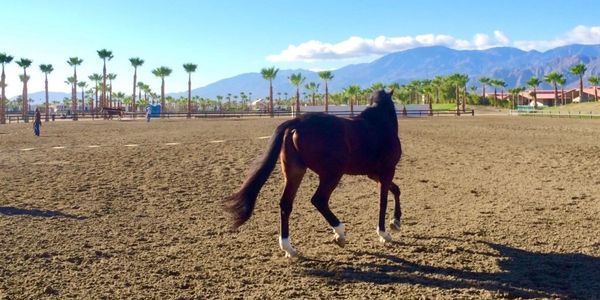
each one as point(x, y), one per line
point(562, 81)
point(594, 80)
point(297, 80)
point(270, 74)
point(352, 91)
point(326, 76)
point(189, 68)
point(534, 82)
point(111, 77)
point(140, 86)
point(484, 82)
point(74, 62)
point(96, 79)
point(312, 87)
point(82, 85)
point(578, 70)
point(104, 55)
point(24, 63)
point(4, 59)
point(553, 78)
point(46, 69)
point(135, 63)
point(462, 81)
point(162, 72)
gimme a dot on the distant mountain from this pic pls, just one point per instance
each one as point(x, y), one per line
point(40, 97)
point(512, 65)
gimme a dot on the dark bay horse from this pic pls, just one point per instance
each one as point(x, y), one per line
point(367, 144)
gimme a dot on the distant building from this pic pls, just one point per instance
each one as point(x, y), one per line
point(546, 97)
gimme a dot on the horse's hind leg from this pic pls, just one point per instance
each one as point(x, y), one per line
point(321, 201)
point(293, 171)
point(395, 224)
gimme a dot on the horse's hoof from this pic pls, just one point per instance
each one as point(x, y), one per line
point(291, 254)
point(286, 246)
point(340, 241)
point(384, 237)
point(395, 225)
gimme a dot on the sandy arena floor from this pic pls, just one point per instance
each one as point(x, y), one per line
point(494, 207)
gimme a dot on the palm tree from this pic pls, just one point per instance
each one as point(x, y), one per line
point(46, 69)
point(162, 72)
point(24, 63)
point(484, 82)
point(594, 80)
point(95, 78)
point(135, 63)
point(111, 77)
point(534, 82)
point(326, 76)
point(297, 80)
point(189, 68)
point(462, 81)
point(578, 70)
point(562, 81)
point(270, 74)
point(140, 86)
point(312, 87)
point(4, 59)
point(74, 62)
point(104, 54)
point(352, 91)
point(553, 78)
point(82, 85)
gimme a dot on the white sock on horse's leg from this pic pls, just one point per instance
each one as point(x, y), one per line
point(285, 245)
point(339, 234)
point(383, 236)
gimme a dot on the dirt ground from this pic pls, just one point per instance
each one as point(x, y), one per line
point(493, 207)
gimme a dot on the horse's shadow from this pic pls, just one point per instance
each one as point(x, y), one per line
point(15, 211)
point(523, 274)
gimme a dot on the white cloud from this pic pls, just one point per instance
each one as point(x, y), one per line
point(578, 35)
point(501, 37)
point(359, 47)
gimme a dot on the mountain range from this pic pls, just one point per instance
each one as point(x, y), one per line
point(512, 65)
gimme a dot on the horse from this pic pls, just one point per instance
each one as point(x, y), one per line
point(109, 112)
point(330, 146)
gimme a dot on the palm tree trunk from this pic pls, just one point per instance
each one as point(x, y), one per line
point(24, 109)
point(534, 98)
point(110, 94)
point(326, 98)
point(134, 86)
point(82, 99)
point(555, 94)
point(297, 101)
point(162, 96)
point(271, 97)
point(581, 88)
point(103, 97)
point(46, 89)
point(563, 100)
point(189, 96)
point(2, 98)
point(74, 92)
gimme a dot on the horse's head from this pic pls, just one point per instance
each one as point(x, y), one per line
point(381, 97)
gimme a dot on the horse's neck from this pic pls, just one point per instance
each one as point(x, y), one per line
point(381, 117)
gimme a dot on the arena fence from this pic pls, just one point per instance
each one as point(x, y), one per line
point(18, 118)
point(556, 114)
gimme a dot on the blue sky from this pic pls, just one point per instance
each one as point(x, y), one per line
point(228, 37)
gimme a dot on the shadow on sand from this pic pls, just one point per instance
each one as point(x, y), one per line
point(14, 211)
point(523, 274)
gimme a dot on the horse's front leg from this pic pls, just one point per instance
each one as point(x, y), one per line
point(395, 224)
point(384, 186)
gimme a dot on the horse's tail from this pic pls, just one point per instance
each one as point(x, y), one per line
point(241, 204)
